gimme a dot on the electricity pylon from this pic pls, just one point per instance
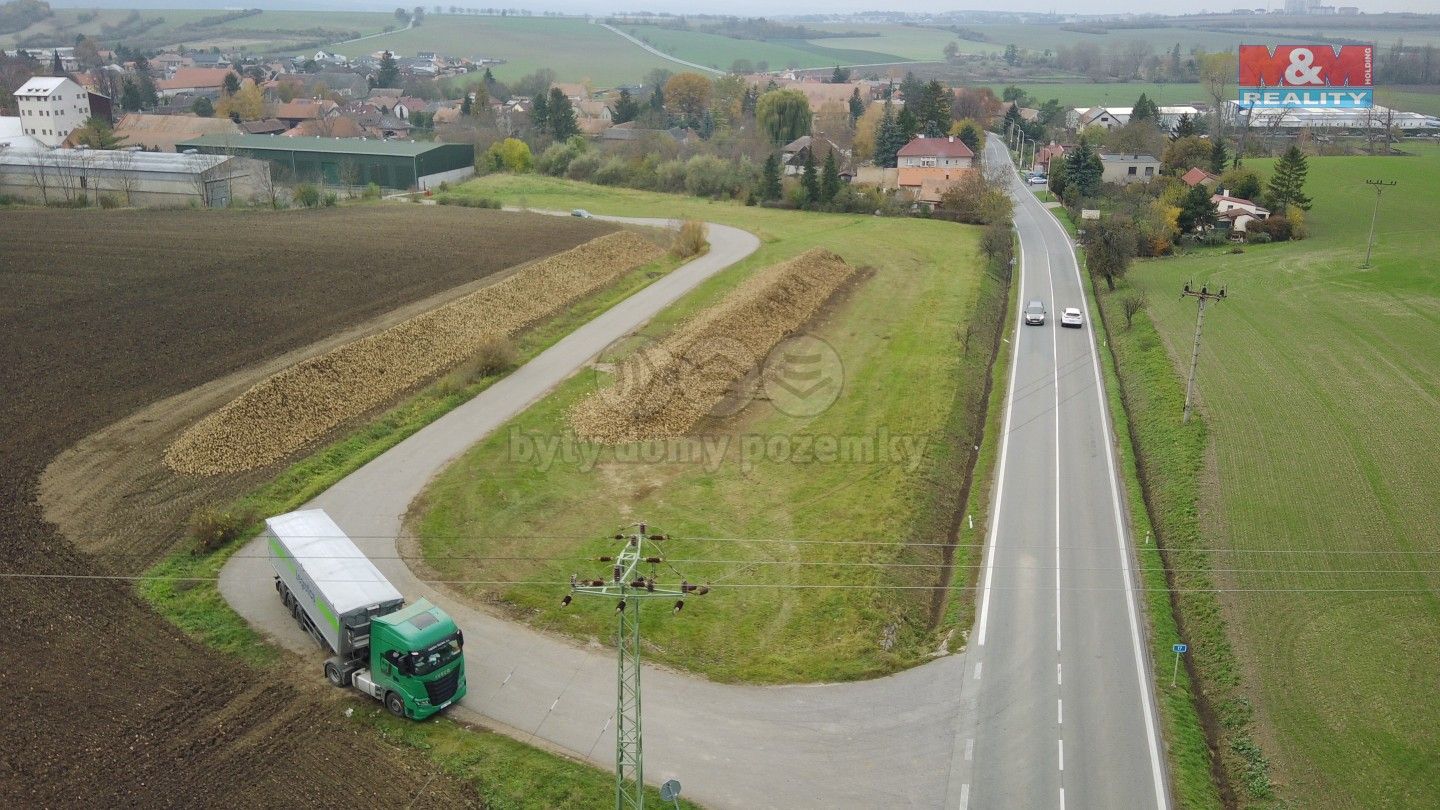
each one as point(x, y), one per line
point(629, 588)
point(1379, 186)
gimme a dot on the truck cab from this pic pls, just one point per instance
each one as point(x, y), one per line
point(417, 666)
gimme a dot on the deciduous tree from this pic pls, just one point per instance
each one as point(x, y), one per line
point(687, 95)
point(1109, 248)
point(783, 115)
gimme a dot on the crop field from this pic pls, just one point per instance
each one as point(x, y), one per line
point(151, 304)
point(908, 42)
point(784, 497)
point(575, 49)
point(267, 31)
point(1319, 386)
point(720, 51)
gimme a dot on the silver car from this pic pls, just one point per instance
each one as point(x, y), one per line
point(1035, 313)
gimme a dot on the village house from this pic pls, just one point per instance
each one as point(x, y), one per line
point(793, 154)
point(1237, 212)
point(162, 132)
point(1123, 169)
point(291, 113)
point(1197, 175)
point(928, 167)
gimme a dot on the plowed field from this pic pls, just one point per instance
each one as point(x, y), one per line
point(101, 314)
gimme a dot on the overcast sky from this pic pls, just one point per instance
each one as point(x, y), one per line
point(761, 7)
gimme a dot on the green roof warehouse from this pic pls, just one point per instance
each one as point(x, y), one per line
point(347, 161)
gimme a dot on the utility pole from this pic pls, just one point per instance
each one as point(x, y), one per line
point(1201, 296)
point(629, 588)
point(1379, 186)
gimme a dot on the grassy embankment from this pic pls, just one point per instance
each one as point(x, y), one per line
point(902, 336)
point(1304, 493)
point(506, 773)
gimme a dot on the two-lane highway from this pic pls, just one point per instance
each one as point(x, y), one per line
point(1062, 708)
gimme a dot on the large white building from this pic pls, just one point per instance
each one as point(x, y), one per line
point(1295, 118)
point(131, 177)
point(51, 107)
point(1115, 117)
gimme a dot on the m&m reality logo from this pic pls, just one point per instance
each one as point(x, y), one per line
point(1307, 76)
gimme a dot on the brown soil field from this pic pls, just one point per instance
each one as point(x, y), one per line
point(106, 313)
point(668, 388)
point(291, 409)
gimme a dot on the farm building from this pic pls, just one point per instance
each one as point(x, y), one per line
point(162, 132)
point(133, 178)
point(348, 161)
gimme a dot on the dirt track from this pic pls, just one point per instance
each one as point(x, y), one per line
point(108, 703)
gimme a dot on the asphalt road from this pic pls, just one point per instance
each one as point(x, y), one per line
point(980, 729)
point(1062, 714)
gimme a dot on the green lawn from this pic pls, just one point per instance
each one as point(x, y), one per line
point(1411, 98)
point(911, 370)
point(576, 50)
point(910, 42)
point(1319, 386)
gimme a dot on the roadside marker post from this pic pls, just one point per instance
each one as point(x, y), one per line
point(1179, 650)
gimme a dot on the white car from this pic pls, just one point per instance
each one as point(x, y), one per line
point(1071, 316)
point(582, 214)
point(1038, 180)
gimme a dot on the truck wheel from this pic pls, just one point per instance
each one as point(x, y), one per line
point(395, 703)
point(336, 676)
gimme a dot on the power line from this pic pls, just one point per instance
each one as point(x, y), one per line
point(751, 585)
point(1201, 296)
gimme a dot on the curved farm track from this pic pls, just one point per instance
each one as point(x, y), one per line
point(103, 314)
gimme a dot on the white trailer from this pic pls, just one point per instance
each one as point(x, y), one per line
point(331, 588)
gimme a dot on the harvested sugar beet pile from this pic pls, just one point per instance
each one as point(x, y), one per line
point(664, 390)
point(296, 406)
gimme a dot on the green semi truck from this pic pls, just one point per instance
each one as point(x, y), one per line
point(408, 657)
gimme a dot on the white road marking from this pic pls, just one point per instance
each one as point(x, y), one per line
point(969, 749)
point(1062, 798)
point(978, 665)
point(1055, 352)
point(1058, 679)
point(1060, 711)
point(1062, 753)
point(1004, 455)
point(1162, 797)
point(964, 796)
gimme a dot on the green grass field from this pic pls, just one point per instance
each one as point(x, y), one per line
point(721, 51)
point(1319, 387)
point(906, 323)
point(576, 50)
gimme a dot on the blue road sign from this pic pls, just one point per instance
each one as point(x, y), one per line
point(1180, 648)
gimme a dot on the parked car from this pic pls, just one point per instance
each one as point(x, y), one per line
point(1071, 317)
point(1038, 180)
point(582, 213)
point(1035, 313)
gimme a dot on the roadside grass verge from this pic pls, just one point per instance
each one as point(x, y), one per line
point(1307, 498)
point(752, 501)
point(183, 586)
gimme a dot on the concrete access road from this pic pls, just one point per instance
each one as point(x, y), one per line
point(1063, 713)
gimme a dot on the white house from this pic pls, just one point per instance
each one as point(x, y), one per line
point(1238, 211)
point(51, 107)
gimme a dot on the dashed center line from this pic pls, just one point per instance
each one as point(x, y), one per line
point(978, 665)
point(964, 796)
point(1058, 680)
point(1062, 754)
point(969, 749)
point(1060, 711)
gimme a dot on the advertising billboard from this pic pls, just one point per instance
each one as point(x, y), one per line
point(1307, 76)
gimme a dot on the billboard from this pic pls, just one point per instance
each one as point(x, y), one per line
point(1307, 76)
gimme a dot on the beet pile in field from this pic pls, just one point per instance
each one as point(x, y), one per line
point(667, 388)
point(291, 409)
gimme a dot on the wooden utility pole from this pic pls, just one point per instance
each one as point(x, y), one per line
point(1202, 295)
point(1379, 186)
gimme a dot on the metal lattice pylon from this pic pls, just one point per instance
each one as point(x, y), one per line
point(630, 589)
